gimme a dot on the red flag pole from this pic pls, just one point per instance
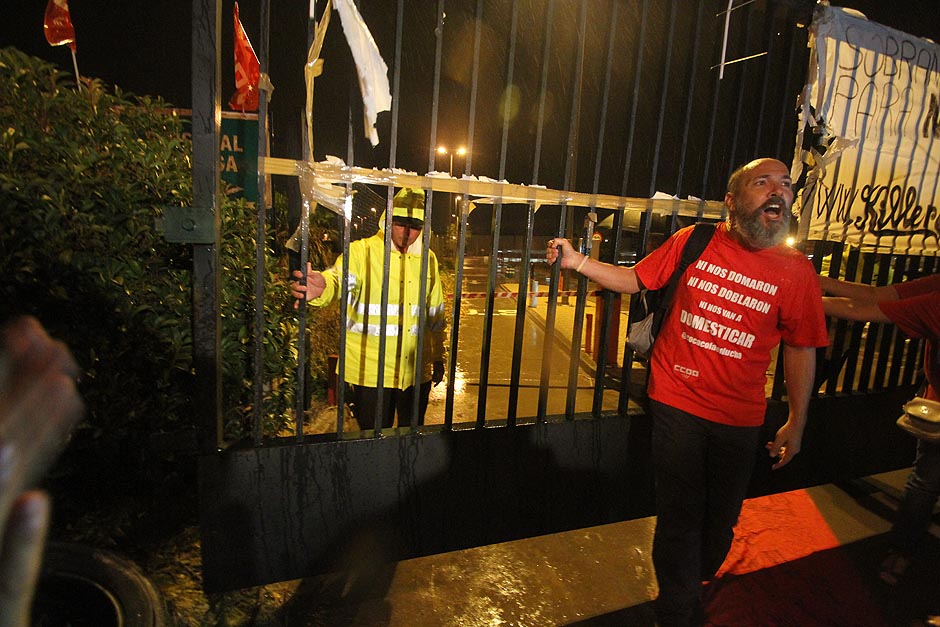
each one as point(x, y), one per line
point(78, 80)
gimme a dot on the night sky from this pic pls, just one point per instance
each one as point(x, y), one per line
point(144, 48)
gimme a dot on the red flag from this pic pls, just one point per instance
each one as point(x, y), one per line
point(247, 71)
point(58, 24)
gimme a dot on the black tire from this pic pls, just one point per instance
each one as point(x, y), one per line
point(80, 585)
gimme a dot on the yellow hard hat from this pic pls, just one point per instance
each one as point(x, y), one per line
point(409, 203)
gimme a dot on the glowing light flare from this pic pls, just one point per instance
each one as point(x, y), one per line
point(509, 103)
point(460, 152)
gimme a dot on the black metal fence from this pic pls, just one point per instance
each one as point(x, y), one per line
point(864, 357)
point(614, 100)
point(588, 108)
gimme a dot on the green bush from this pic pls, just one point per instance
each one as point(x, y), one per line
point(84, 177)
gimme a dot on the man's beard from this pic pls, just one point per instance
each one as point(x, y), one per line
point(751, 228)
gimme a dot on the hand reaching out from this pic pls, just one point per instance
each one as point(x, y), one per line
point(39, 406)
point(560, 247)
point(312, 288)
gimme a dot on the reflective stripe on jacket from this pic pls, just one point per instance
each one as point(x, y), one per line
point(364, 311)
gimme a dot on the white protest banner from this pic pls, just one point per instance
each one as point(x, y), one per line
point(870, 137)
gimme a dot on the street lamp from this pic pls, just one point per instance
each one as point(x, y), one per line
point(442, 150)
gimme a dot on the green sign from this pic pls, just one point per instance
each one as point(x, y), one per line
point(238, 151)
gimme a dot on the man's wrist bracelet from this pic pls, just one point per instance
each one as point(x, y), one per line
point(581, 265)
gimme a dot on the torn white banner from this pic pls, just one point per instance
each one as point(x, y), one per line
point(371, 68)
point(869, 137)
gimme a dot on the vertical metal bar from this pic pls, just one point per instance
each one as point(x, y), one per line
point(552, 285)
point(604, 320)
point(742, 88)
point(838, 345)
point(786, 106)
point(458, 291)
point(207, 115)
point(436, 87)
point(519, 334)
point(897, 353)
point(465, 203)
point(417, 382)
point(344, 297)
point(300, 397)
point(496, 228)
point(549, 342)
point(850, 358)
point(571, 181)
point(432, 150)
point(710, 144)
point(608, 70)
point(474, 90)
point(667, 68)
point(604, 331)
point(556, 268)
point(915, 346)
point(300, 402)
point(257, 414)
point(543, 90)
point(422, 309)
point(690, 99)
point(575, 354)
point(343, 329)
point(396, 82)
point(887, 335)
point(875, 330)
point(383, 314)
point(765, 82)
point(627, 164)
point(640, 48)
point(626, 368)
point(488, 320)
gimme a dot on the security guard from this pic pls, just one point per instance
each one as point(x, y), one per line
point(363, 325)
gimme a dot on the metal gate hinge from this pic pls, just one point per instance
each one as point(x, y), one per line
point(189, 225)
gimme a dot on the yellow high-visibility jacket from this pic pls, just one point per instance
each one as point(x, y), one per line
point(364, 310)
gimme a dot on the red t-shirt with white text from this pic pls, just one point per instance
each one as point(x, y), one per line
point(730, 310)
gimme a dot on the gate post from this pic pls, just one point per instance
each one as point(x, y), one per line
point(207, 343)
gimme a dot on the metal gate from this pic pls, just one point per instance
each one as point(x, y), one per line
point(588, 108)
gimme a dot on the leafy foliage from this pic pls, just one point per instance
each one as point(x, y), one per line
point(84, 179)
point(83, 175)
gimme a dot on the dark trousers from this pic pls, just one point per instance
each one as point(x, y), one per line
point(701, 472)
point(920, 496)
point(365, 404)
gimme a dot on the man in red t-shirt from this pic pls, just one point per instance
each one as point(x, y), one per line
point(914, 306)
point(745, 293)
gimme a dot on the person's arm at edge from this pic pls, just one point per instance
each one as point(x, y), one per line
point(617, 278)
point(852, 309)
point(859, 292)
point(799, 367)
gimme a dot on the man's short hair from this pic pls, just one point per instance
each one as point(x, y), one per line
point(734, 181)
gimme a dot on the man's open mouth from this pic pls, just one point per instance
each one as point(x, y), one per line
point(774, 208)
